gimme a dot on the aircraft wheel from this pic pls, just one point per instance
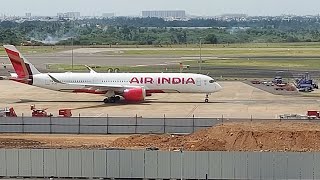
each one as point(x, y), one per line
point(106, 100)
point(206, 100)
point(117, 98)
point(112, 99)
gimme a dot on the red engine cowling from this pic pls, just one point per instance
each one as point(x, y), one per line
point(134, 95)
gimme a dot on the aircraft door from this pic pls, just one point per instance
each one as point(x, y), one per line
point(198, 81)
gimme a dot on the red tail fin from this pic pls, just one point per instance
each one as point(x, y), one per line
point(21, 65)
point(17, 63)
point(24, 69)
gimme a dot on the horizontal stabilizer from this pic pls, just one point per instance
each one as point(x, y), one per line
point(55, 80)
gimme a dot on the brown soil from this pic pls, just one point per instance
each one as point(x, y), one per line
point(33, 141)
point(242, 136)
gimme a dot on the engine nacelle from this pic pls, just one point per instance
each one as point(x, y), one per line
point(134, 95)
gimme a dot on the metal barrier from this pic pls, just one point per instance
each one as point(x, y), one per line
point(106, 125)
point(112, 125)
point(157, 164)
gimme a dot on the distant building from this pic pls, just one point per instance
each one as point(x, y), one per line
point(177, 14)
point(60, 15)
point(75, 15)
point(69, 15)
point(108, 15)
point(28, 15)
point(234, 15)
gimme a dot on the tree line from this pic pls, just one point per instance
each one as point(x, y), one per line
point(155, 31)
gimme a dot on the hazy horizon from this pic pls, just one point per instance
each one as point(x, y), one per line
point(134, 8)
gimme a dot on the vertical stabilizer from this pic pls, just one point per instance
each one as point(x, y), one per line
point(21, 65)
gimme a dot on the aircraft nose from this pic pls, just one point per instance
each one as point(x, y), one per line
point(218, 87)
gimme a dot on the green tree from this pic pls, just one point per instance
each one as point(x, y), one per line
point(212, 39)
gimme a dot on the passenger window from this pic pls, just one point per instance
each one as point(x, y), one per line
point(211, 81)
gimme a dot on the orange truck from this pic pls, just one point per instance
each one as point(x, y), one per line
point(39, 112)
point(65, 112)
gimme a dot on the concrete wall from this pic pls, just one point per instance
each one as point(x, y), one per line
point(156, 164)
point(105, 125)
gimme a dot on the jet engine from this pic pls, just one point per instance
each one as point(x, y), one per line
point(134, 95)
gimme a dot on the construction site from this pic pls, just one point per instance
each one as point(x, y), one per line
point(258, 136)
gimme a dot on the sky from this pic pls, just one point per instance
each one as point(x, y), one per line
point(134, 7)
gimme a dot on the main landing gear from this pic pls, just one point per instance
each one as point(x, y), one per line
point(112, 99)
point(206, 100)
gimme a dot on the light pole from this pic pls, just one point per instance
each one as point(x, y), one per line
point(72, 53)
point(72, 43)
point(200, 61)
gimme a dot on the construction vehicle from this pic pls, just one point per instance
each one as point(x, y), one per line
point(65, 112)
point(306, 84)
point(313, 115)
point(8, 112)
point(39, 112)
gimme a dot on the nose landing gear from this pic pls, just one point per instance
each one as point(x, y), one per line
point(206, 100)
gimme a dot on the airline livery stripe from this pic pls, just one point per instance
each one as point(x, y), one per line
point(17, 63)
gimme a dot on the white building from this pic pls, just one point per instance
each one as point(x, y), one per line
point(28, 15)
point(177, 14)
point(108, 15)
point(70, 15)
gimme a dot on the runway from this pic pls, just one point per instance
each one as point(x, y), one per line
point(40, 61)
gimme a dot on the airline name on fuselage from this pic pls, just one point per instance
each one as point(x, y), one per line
point(161, 80)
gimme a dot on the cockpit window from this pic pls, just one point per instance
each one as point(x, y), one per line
point(212, 81)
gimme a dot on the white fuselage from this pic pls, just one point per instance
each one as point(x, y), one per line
point(151, 82)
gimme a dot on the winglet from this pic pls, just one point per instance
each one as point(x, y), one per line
point(55, 80)
point(90, 69)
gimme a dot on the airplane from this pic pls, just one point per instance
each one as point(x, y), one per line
point(133, 87)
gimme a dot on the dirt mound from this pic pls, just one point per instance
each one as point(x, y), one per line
point(242, 136)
